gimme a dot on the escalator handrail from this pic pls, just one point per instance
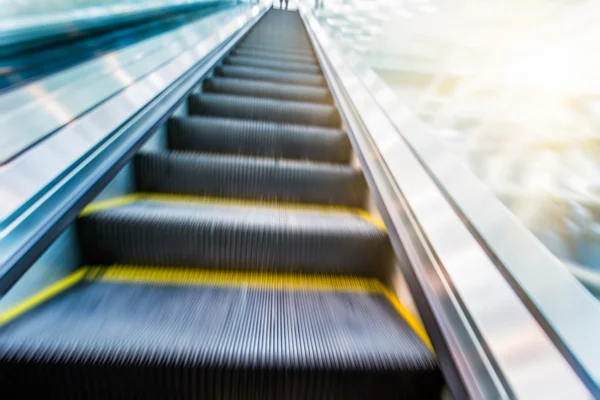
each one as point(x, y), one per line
point(135, 114)
point(451, 282)
point(58, 100)
point(22, 32)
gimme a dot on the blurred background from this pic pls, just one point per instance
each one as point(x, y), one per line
point(512, 89)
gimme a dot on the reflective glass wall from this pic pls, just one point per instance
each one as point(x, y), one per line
point(512, 88)
point(12, 8)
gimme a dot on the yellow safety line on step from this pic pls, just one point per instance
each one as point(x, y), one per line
point(219, 278)
point(372, 219)
point(43, 295)
point(183, 199)
point(262, 280)
point(110, 203)
point(410, 319)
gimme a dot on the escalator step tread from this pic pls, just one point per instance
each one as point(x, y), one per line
point(275, 55)
point(293, 112)
point(295, 43)
point(275, 37)
point(235, 237)
point(274, 90)
point(272, 64)
point(222, 343)
point(265, 74)
point(249, 177)
point(279, 48)
point(258, 138)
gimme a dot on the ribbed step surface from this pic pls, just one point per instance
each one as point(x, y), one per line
point(280, 31)
point(277, 49)
point(273, 90)
point(107, 340)
point(262, 109)
point(273, 64)
point(299, 78)
point(249, 178)
point(258, 138)
point(274, 40)
point(273, 55)
point(230, 237)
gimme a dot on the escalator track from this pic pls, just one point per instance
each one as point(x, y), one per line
point(245, 265)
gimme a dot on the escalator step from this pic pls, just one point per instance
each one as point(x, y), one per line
point(277, 49)
point(272, 64)
point(249, 177)
point(272, 55)
point(258, 138)
point(274, 90)
point(282, 34)
point(264, 74)
point(235, 237)
point(254, 108)
point(112, 340)
point(301, 47)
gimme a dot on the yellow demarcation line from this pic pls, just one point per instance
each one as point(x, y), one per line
point(410, 319)
point(43, 295)
point(376, 221)
point(220, 278)
point(110, 203)
point(261, 280)
point(218, 201)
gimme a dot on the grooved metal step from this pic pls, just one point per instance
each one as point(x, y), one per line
point(234, 238)
point(249, 178)
point(273, 55)
point(274, 38)
point(273, 75)
point(273, 64)
point(254, 108)
point(107, 340)
point(258, 138)
point(277, 49)
point(274, 90)
point(277, 36)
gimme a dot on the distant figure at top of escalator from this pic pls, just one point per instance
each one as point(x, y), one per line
point(281, 4)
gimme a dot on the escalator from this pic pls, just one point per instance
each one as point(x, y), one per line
point(245, 265)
